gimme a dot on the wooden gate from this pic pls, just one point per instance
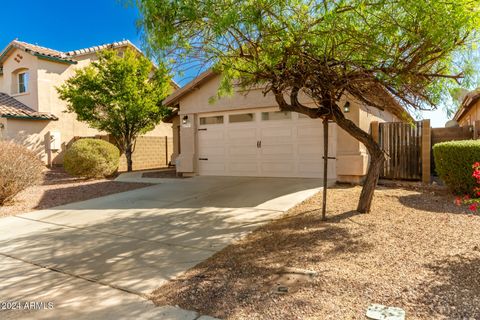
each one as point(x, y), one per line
point(402, 143)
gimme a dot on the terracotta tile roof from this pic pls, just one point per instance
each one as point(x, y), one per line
point(39, 49)
point(36, 51)
point(113, 45)
point(68, 57)
point(93, 49)
point(12, 108)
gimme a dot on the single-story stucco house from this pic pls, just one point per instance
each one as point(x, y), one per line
point(31, 112)
point(246, 135)
point(469, 110)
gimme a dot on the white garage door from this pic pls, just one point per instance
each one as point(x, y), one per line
point(263, 144)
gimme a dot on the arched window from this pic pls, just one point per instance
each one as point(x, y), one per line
point(20, 81)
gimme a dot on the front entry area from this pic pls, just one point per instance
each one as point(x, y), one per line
point(263, 143)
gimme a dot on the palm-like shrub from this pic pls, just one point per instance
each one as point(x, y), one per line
point(19, 168)
point(91, 158)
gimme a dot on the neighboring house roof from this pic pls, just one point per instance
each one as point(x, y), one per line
point(173, 99)
point(63, 57)
point(12, 108)
point(189, 87)
point(114, 45)
point(467, 103)
point(67, 57)
point(35, 50)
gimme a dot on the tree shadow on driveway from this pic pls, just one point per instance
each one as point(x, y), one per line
point(243, 274)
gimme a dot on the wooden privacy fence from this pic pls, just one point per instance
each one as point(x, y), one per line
point(402, 143)
point(407, 147)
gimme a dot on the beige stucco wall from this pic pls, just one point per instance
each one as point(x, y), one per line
point(352, 157)
point(352, 161)
point(45, 76)
point(176, 138)
point(26, 132)
point(26, 61)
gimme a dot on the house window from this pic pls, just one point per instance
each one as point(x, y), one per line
point(22, 82)
point(243, 117)
point(211, 120)
point(276, 115)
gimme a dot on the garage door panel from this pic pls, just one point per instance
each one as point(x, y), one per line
point(310, 149)
point(310, 131)
point(241, 151)
point(276, 132)
point(211, 152)
point(273, 148)
point(212, 133)
point(278, 150)
point(211, 142)
point(211, 158)
point(243, 133)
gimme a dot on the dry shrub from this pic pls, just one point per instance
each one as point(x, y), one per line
point(19, 168)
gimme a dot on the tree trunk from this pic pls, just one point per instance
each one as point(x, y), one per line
point(376, 157)
point(329, 109)
point(128, 155)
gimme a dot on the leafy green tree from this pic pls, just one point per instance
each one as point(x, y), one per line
point(326, 49)
point(120, 94)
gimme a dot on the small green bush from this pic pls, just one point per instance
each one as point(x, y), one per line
point(91, 158)
point(453, 162)
point(19, 168)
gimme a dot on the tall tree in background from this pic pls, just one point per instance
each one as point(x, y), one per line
point(325, 49)
point(119, 94)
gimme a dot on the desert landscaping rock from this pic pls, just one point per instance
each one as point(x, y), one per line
point(381, 312)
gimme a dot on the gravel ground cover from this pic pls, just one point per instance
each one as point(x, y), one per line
point(416, 250)
point(59, 188)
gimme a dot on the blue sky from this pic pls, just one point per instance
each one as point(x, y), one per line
point(68, 25)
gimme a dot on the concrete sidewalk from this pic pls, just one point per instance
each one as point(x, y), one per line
point(126, 245)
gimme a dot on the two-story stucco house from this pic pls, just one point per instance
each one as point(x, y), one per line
point(31, 112)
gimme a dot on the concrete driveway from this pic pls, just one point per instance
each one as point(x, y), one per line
point(100, 258)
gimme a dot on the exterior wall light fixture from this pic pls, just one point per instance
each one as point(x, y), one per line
point(186, 123)
point(346, 107)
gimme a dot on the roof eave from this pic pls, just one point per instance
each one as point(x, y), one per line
point(54, 59)
point(5, 52)
point(177, 95)
point(29, 118)
point(465, 106)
